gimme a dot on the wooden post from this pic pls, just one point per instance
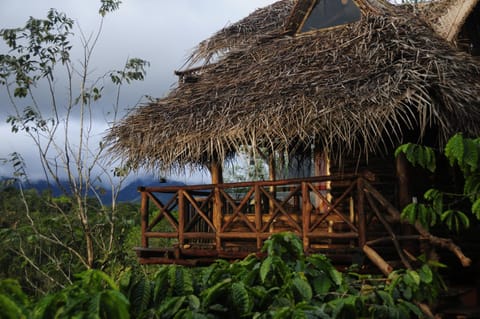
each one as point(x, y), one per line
point(181, 218)
point(144, 217)
point(404, 195)
point(362, 221)
point(321, 167)
point(403, 171)
point(258, 216)
point(217, 178)
point(272, 176)
point(306, 211)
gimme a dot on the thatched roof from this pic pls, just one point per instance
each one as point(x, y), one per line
point(353, 88)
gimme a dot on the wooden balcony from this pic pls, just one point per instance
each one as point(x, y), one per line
point(336, 215)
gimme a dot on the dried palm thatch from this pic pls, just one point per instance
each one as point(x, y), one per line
point(353, 89)
point(264, 22)
point(447, 16)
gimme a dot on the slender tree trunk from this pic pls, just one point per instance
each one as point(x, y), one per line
point(82, 213)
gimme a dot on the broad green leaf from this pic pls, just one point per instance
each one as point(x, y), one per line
point(209, 296)
point(170, 307)
point(140, 295)
point(160, 285)
point(10, 309)
point(455, 219)
point(412, 277)
point(321, 283)
point(302, 289)
point(266, 268)
point(412, 308)
point(454, 149)
point(180, 279)
point(426, 274)
point(113, 304)
point(472, 187)
point(476, 208)
point(241, 299)
point(471, 156)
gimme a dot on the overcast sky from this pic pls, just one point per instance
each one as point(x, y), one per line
point(162, 32)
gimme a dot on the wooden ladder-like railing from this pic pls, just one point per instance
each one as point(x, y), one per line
point(190, 224)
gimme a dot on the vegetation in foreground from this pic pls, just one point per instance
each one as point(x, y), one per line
point(284, 284)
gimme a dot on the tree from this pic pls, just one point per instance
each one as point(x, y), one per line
point(455, 210)
point(40, 60)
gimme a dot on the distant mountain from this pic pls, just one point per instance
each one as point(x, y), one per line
point(128, 193)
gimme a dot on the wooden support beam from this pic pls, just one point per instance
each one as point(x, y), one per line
point(144, 218)
point(362, 220)
point(217, 178)
point(390, 231)
point(402, 171)
point(258, 216)
point(306, 212)
point(272, 176)
point(375, 258)
point(181, 217)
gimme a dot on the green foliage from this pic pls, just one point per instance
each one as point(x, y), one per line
point(464, 152)
point(297, 286)
point(13, 301)
point(93, 295)
point(108, 6)
point(49, 238)
point(48, 265)
point(455, 219)
point(418, 155)
point(442, 207)
point(134, 70)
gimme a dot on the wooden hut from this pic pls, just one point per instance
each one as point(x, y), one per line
point(344, 81)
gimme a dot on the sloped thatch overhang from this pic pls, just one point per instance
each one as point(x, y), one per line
point(353, 88)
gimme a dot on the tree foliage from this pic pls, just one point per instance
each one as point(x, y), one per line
point(56, 99)
point(454, 210)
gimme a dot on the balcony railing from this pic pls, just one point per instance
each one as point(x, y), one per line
point(204, 222)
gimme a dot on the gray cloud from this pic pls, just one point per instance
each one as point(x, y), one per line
point(159, 31)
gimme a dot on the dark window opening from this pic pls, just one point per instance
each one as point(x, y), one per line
point(469, 37)
point(329, 13)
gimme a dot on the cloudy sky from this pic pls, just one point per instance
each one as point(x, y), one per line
point(162, 32)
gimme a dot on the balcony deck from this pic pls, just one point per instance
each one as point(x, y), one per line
point(335, 215)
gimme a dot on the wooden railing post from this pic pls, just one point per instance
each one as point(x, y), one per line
point(217, 178)
point(258, 216)
point(181, 218)
point(217, 217)
point(362, 221)
point(144, 217)
point(306, 211)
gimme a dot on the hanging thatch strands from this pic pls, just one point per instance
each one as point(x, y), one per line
point(355, 88)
